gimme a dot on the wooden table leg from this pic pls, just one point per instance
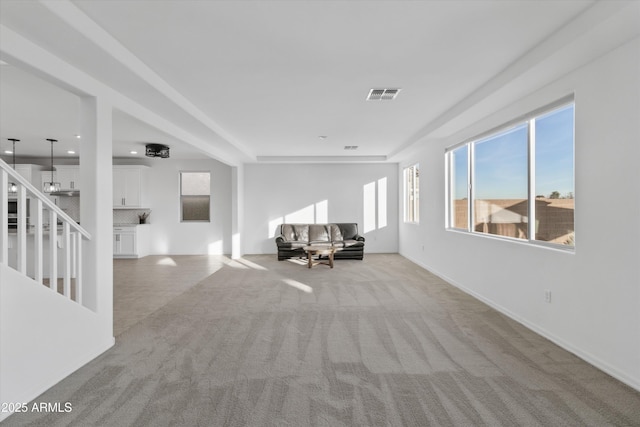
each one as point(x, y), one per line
point(331, 259)
point(309, 259)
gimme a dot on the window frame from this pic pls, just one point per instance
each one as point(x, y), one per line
point(530, 121)
point(450, 187)
point(181, 197)
point(412, 208)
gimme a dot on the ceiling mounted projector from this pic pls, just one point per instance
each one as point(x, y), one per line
point(157, 150)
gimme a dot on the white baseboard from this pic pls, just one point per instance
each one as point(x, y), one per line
point(582, 354)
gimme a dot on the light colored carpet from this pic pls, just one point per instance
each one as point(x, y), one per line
point(379, 342)
point(142, 286)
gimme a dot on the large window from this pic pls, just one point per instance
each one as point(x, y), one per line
point(195, 196)
point(517, 183)
point(411, 194)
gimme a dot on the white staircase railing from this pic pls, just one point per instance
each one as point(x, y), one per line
point(31, 242)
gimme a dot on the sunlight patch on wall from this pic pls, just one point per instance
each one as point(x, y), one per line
point(235, 246)
point(374, 199)
point(215, 248)
point(369, 205)
point(273, 227)
point(317, 213)
point(322, 212)
point(162, 245)
point(302, 216)
point(382, 202)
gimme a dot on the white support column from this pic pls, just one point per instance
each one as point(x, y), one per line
point(96, 206)
point(37, 241)
point(66, 273)
point(237, 209)
point(22, 230)
point(53, 250)
point(4, 218)
point(78, 240)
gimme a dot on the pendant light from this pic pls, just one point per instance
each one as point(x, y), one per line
point(13, 187)
point(51, 186)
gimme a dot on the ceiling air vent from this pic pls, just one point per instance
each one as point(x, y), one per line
point(350, 147)
point(382, 94)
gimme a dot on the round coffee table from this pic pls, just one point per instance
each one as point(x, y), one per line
point(319, 250)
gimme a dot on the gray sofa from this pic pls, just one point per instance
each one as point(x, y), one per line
point(291, 238)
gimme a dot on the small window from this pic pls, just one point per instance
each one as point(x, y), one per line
point(195, 196)
point(412, 194)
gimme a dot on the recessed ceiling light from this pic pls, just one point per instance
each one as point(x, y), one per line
point(323, 137)
point(71, 152)
point(8, 152)
point(78, 136)
point(133, 152)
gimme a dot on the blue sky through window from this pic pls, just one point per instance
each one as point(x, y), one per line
point(501, 165)
point(554, 152)
point(501, 160)
point(460, 172)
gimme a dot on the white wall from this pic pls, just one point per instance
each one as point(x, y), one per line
point(320, 193)
point(44, 337)
point(595, 308)
point(170, 236)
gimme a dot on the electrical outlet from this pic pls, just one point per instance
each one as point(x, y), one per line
point(547, 295)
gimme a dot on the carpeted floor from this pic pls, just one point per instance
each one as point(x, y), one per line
point(380, 342)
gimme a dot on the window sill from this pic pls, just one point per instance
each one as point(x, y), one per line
point(531, 243)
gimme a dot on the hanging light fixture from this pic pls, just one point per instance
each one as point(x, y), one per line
point(157, 150)
point(13, 187)
point(52, 186)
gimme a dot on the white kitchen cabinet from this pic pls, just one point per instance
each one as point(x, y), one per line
point(31, 173)
point(130, 241)
point(68, 177)
point(125, 242)
point(128, 186)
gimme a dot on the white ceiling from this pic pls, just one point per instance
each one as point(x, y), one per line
point(32, 110)
point(263, 80)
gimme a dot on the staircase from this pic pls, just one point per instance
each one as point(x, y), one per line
point(29, 245)
point(46, 332)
